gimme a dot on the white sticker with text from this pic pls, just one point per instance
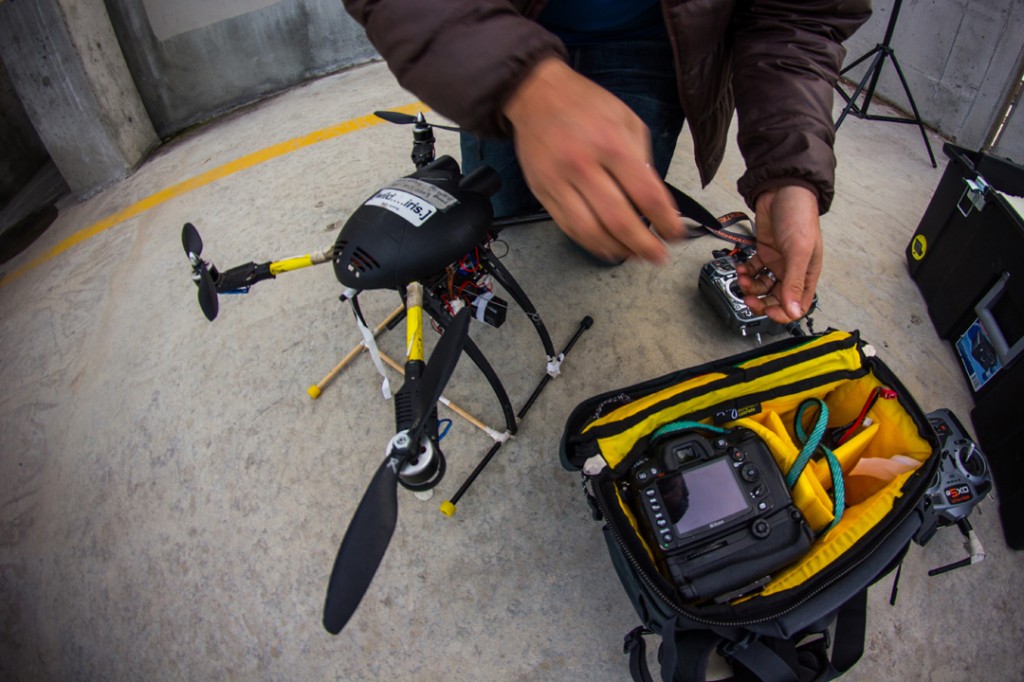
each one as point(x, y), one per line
point(409, 206)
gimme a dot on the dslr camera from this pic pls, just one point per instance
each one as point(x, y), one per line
point(716, 513)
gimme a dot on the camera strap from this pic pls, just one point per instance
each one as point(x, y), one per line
point(812, 443)
point(708, 223)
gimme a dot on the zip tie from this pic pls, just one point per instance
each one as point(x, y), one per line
point(481, 304)
point(555, 365)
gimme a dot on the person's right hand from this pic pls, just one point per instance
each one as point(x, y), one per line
point(587, 158)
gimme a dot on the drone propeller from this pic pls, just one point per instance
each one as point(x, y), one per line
point(191, 240)
point(407, 119)
point(369, 534)
point(193, 245)
point(238, 279)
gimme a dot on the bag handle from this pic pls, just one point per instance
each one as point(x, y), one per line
point(636, 647)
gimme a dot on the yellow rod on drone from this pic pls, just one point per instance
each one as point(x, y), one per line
point(414, 322)
point(297, 262)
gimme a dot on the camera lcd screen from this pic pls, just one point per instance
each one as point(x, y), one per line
point(702, 496)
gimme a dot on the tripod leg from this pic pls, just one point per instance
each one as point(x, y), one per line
point(851, 101)
point(913, 107)
point(860, 60)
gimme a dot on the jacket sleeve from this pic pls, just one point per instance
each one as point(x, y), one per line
point(464, 58)
point(786, 61)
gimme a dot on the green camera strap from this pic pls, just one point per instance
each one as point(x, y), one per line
point(811, 444)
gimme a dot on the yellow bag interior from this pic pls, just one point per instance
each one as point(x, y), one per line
point(892, 433)
point(890, 446)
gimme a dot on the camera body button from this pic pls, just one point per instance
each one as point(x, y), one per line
point(761, 529)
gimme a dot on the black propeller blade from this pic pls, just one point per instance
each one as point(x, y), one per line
point(191, 240)
point(208, 293)
point(407, 119)
point(363, 547)
point(369, 534)
point(439, 370)
point(193, 245)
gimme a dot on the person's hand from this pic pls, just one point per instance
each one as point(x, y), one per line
point(780, 280)
point(587, 158)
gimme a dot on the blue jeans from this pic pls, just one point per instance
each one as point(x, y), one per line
point(640, 72)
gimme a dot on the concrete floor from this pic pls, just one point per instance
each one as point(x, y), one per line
point(171, 499)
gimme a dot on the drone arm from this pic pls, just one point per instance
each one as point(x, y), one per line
point(414, 322)
point(244, 276)
point(408, 397)
point(298, 262)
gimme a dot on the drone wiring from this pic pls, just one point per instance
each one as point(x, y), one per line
point(467, 282)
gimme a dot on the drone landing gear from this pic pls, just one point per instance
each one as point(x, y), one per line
point(435, 309)
point(502, 276)
point(448, 507)
point(438, 311)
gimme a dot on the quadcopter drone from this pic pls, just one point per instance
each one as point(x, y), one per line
point(428, 236)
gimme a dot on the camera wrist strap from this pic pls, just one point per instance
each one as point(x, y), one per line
point(709, 224)
point(684, 425)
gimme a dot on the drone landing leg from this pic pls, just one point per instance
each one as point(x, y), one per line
point(448, 507)
point(388, 360)
point(436, 311)
point(501, 274)
point(389, 323)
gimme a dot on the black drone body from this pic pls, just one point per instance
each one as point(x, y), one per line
point(415, 226)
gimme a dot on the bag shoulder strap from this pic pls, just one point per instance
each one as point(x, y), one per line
point(684, 654)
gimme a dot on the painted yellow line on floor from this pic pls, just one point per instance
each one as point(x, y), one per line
point(203, 179)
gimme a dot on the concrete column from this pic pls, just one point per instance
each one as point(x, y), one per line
point(67, 67)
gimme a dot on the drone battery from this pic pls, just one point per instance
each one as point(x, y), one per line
point(487, 307)
point(494, 310)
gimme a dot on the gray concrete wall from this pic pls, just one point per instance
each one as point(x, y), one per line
point(193, 60)
point(70, 76)
point(960, 58)
point(23, 151)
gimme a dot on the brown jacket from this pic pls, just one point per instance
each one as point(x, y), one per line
point(774, 62)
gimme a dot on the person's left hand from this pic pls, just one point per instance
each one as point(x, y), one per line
point(779, 281)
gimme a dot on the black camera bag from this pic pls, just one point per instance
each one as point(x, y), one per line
point(784, 634)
